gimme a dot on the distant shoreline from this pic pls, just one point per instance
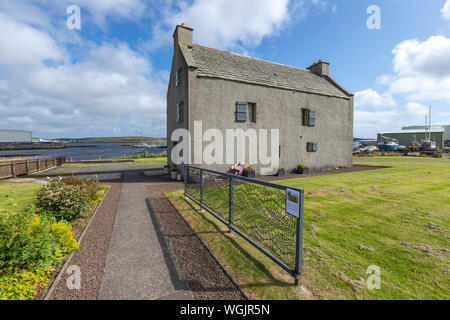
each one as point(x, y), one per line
point(32, 146)
point(130, 140)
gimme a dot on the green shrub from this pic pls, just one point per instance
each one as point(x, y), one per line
point(29, 245)
point(23, 285)
point(63, 232)
point(89, 185)
point(26, 241)
point(64, 201)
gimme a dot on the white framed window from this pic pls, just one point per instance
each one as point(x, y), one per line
point(241, 111)
point(178, 78)
point(245, 112)
point(180, 112)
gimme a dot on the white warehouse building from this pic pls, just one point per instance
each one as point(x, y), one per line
point(15, 136)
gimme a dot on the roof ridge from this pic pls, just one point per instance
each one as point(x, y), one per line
point(212, 62)
point(253, 58)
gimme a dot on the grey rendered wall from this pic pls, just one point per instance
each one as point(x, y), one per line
point(176, 95)
point(213, 101)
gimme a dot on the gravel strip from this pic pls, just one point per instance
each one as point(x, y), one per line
point(201, 271)
point(91, 255)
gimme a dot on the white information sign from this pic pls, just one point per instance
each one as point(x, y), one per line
point(293, 202)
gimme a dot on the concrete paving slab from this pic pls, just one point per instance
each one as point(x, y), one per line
point(140, 264)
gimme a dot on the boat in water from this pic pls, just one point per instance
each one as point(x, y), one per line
point(141, 145)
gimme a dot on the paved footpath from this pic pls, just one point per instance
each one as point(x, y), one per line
point(140, 264)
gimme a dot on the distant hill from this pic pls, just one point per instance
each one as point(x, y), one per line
point(119, 139)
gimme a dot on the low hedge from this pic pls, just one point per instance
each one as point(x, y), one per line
point(68, 199)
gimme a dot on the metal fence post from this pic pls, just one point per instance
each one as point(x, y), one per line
point(201, 188)
point(299, 243)
point(13, 169)
point(231, 207)
point(186, 172)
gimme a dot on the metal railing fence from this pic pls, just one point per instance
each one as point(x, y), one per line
point(253, 209)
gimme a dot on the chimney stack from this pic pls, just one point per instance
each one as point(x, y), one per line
point(320, 68)
point(183, 34)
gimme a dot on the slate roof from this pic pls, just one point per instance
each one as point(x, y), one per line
point(230, 66)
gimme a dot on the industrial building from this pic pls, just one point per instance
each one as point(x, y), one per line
point(15, 136)
point(405, 136)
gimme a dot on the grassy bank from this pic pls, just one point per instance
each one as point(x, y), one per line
point(135, 160)
point(145, 158)
point(394, 218)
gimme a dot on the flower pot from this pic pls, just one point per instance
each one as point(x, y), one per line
point(280, 173)
point(179, 177)
point(166, 170)
point(302, 170)
point(250, 174)
point(173, 175)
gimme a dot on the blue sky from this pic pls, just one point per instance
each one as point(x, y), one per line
point(110, 77)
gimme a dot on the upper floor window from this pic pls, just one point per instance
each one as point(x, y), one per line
point(180, 112)
point(245, 112)
point(177, 78)
point(309, 117)
point(311, 147)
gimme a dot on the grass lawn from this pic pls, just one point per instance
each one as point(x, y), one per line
point(15, 196)
point(136, 162)
point(395, 218)
point(399, 158)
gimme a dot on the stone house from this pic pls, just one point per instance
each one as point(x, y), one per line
point(314, 114)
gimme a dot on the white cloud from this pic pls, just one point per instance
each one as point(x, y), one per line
point(372, 119)
point(21, 44)
point(370, 98)
point(422, 69)
point(446, 10)
point(225, 23)
point(112, 90)
point(100, 9)
point(231, 24)
point(416, 109)
point(42, 13)
point(55, 82)
point(421, 76)
point(427, 58)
